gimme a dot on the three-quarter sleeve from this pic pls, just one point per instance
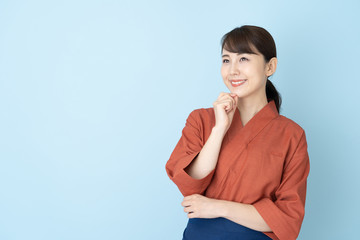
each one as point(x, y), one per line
point(186, 150)
point(285, 215)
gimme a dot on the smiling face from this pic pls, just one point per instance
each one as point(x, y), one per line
point(245, 74)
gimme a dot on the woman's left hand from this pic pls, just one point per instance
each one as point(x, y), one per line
point(199, 206)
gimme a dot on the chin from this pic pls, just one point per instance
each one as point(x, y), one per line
point(240, 95)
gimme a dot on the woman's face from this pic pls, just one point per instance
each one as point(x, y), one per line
point(244, 74)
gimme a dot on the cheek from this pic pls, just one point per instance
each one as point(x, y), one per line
point(261, 70)
point(256, 71)
point(223, 72)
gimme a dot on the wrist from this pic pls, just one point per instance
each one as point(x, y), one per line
point(221, 208)
point(221, 131)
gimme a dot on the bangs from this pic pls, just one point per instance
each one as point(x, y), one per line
point(237, 42)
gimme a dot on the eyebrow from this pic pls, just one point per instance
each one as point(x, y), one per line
point(226, 55)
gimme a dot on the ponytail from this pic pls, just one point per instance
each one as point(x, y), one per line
point(273, 94)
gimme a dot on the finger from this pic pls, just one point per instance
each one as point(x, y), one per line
point(236, 100)
point(186, 198)
point(226, 100)
point(224, 96)
point(185, 203)
point(188, 209)
point(229, 98)
point(234, 96)
point(227, 104)
point(191, 215)
point(189, 197)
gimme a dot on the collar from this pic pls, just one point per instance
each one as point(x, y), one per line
point(254, 126)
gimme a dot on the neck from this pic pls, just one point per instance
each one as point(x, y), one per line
point(249, 107)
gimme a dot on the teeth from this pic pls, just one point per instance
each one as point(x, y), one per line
point(238, 82)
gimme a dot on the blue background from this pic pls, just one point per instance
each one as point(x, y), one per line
point(94, 95)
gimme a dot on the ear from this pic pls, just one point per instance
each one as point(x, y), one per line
point(271, 66)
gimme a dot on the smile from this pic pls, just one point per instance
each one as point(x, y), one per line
point(236, 83)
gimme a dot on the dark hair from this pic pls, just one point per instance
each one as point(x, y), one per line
point(243, 40)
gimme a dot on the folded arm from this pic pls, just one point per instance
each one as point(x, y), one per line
point(243, 214)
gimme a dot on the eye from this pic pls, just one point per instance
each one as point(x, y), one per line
point(225, 60)
point(243, 59)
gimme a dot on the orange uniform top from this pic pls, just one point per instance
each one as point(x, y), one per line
point(264, 163)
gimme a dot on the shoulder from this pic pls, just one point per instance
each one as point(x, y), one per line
point(289, 127)
point(291, 138)
point(202, 116)
point(289, 123)
point(203, 112)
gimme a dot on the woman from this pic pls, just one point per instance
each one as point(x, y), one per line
point(241, 166)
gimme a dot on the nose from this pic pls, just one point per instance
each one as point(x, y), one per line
point(234, 68)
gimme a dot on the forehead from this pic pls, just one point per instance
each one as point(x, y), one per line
point(226, 53)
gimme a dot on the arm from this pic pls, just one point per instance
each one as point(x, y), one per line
point(224, 109)
point(207, 159)
point(199, 206)
point(191, 148)
point(244, 214)
point(285, 213)
point(192, 163)
point(282, 215)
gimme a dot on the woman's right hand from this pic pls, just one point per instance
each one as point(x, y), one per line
point(224, 108)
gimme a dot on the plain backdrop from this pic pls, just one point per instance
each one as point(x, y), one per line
point(94, 95)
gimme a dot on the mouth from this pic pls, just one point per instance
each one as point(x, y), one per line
point(237, 82)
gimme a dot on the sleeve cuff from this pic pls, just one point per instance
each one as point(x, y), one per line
point(265, 207)
point(189, 185)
